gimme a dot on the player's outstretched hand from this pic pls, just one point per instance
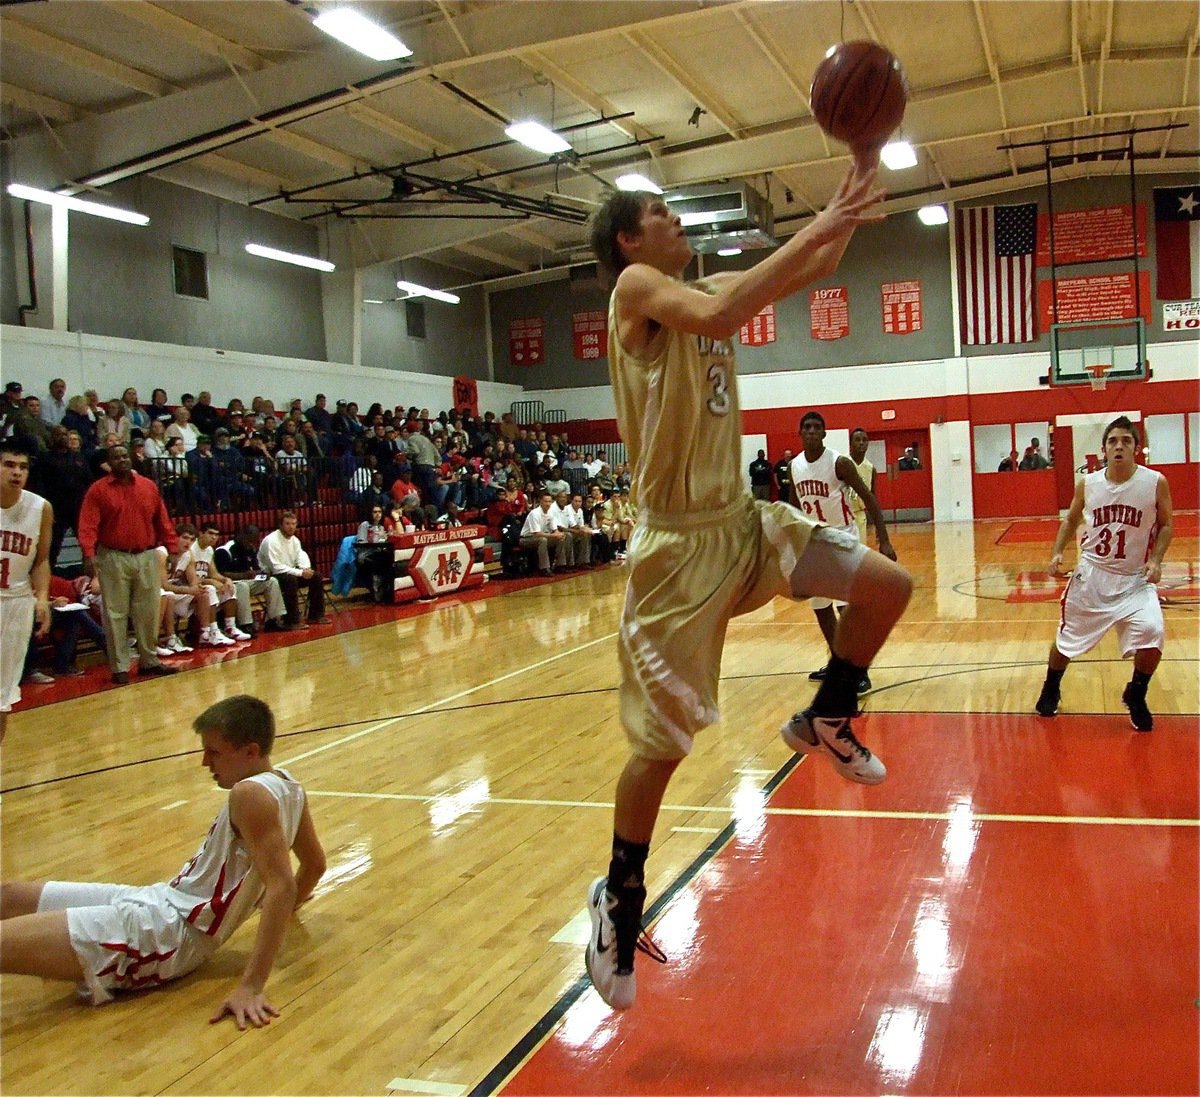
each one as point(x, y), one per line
point(1056, 567)
point(246, 1006)
point(1152, 572)
point(856, 202)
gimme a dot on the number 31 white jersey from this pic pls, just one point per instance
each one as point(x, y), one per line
point(1120, 520)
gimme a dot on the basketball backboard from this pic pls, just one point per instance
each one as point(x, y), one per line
point(1078, 351)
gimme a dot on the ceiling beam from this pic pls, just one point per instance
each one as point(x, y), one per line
point(105, 68)
point(315, 150)
point(526, 232)
point(493, 257)
point(705, 97)
point(244, 173)
point(441, 4)
point(410, 135)
point(1105, 48)
point(994, 72)
point(183, 30)
point(54, 110)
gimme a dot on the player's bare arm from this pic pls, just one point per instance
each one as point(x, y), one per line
point(39, 574)
point(647, 297)
point(1166, 530)
point(1066, 531)
point(848, 474)
point(254, 813)
point(311, 855)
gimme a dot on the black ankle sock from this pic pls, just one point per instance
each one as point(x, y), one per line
point(1140, 679)
point(627, 867)
point(1054, 677)
point(838, 695)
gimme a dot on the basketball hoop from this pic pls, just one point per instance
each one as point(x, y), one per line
point(1098, 370)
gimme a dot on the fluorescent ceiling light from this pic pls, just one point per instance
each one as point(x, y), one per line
point(533, 135)
point(729, 251)
point(359, 33)
point(897, 155)
point(372, 301)
point(290, 257)
point(933, 215)
point(637, 182)
point(689, 220)
point(80, 205)
point(415, 290)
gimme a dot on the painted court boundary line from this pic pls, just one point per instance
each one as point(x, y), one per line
point(819, 813)
point(444, 701)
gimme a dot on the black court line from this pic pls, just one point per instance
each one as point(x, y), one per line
point(545, 1025)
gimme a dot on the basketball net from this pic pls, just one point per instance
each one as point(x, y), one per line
point(1098, 370)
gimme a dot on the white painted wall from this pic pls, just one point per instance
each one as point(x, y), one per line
point(950, 461)
point(34, 357)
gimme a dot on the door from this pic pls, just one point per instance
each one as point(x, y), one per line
point(904, 484)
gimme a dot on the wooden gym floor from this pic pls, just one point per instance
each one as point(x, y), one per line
point(1013, 911)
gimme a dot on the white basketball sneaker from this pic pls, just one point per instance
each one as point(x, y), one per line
point(807, 733)
point(213, 638)
point(235, 633)
point(617, 988)
point(176, 645)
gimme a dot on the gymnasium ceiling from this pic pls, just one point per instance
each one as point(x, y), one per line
point(246, 99)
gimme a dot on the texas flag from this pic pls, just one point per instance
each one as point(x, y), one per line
point(1177, 242)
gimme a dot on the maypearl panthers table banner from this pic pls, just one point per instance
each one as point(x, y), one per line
point(431, 563)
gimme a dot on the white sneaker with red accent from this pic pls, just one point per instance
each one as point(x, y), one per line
point(807, 733)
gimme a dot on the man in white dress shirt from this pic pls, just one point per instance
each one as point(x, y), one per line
point(281, 555)
point(541, 532)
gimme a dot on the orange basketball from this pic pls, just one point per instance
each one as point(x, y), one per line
point(859, 92)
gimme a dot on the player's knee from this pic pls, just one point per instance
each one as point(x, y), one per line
point(882, 586)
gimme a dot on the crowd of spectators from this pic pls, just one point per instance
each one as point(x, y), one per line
point(206, 459)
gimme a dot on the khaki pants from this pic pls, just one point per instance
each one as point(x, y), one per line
point(129, 585)
point(245, 589)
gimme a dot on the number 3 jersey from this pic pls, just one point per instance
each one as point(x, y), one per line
point(1120, 521)
point(677, 408)
point(820, 494)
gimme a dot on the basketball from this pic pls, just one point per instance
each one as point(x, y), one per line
point(859, 92)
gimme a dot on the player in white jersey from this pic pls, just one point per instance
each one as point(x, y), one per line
point(703, 550)
point(26, 523)
point(859, 441)
point(114, 937)
point(825, 485)
point(1126, 511)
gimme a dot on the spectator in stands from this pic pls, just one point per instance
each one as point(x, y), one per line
point(371, 530)
point(1033, 460)
point(555, 484)
point(291, 482)
point(374, 493)
point(67, 479)
point(310, 443)
point(604, 479)
point(452, 519)
point(624, 477)
point(205, 417)
point(183, 428)
point(426, 460)
point(156, 441)
point(908, 460)
point(231, 608)
point(398, 519)
point(1010, 463)
point(234, 424)
point(174, 475)
point(282, 556)
point(237, 559)
point(235, 407)
point(98, 459)
point(157, 408)
point(319, 416)
point(54, 407)
point(76, 418)
point(137, 455)
point(233, 485)
point(28, 425)
point(139, 421)
point(573, 461)
point(624, 517)
point(403, 489)
point(12, 407)
point(203, 473)
point(114, 421)
point(541, 532)
point(598, 511)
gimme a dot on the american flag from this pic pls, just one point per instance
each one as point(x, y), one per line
point(995, 273)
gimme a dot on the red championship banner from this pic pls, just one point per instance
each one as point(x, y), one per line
point(434, 562)
point(589, 334)
point(760, 330)
point(1090, 235)
point(1095, 297)
point(901, 307)
point(829, 312)
point(526, 344)
point(466, 396)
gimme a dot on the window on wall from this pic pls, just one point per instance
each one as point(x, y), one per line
point(414, 317)
point(1027, 434)
point(1164, 434)
point(993, 441)
point(190, 269)
point(1193, 429)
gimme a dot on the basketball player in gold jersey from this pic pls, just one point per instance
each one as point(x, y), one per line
point(703, 550)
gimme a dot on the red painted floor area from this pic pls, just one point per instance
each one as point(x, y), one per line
point(957, 955)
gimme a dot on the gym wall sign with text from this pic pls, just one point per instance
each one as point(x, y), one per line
point(1094, 297)
point(829, 312)
point(1181, 315)
point(759, 330)
point(901, 307)
point(589, 335)
point(1090, 236)
point(526, 341)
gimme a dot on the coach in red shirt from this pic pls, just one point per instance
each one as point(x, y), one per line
point(121, 522)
